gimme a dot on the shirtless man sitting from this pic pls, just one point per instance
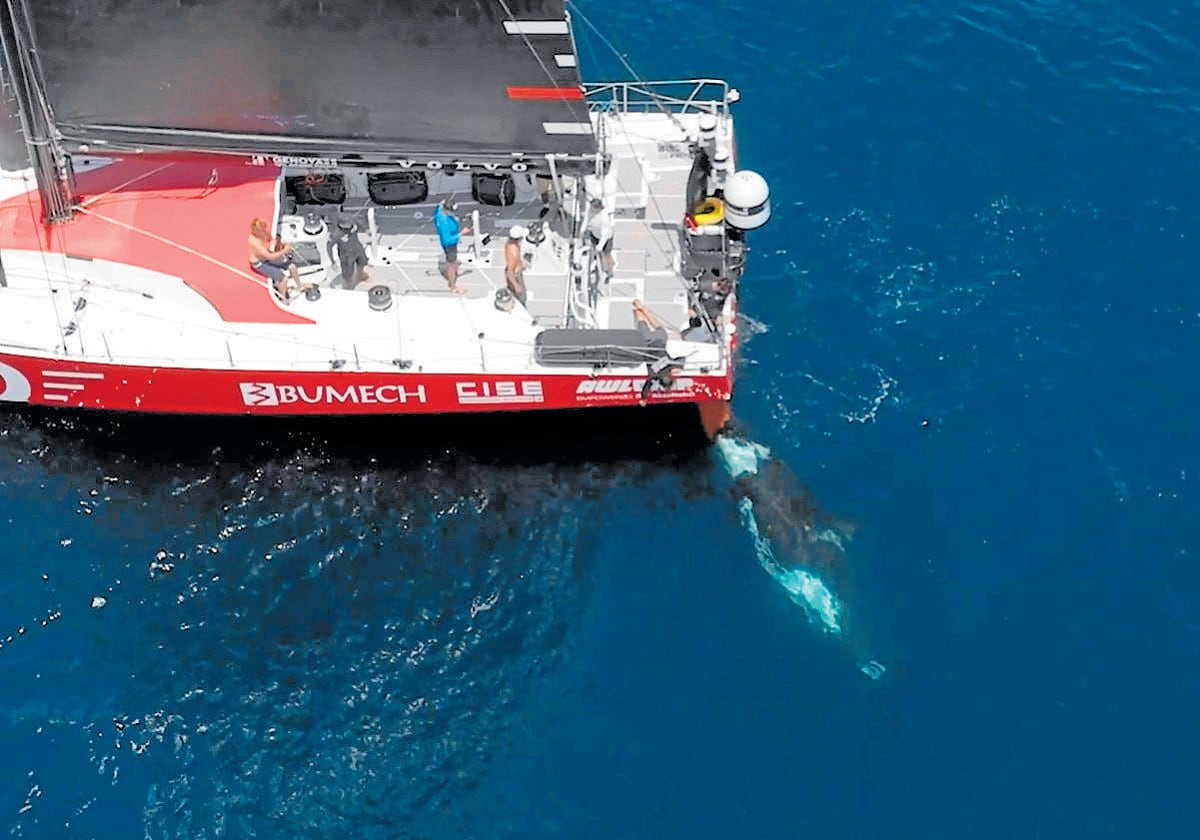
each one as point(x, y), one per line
point(270, 261)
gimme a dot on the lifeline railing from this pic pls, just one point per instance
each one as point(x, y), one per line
point(676, 96)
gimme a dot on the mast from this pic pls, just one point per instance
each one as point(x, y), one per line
point(22, 74)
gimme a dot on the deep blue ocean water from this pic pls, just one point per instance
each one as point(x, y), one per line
point(980, 327)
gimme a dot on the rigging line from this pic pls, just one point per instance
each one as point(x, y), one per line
point(593, 52)
point(425, 223)
point(83, 204)
point(659, 317)
point(290, 341)
point(192, 251)
point(234, 332)
point(35, 58)
point(262, 283)
point(629, 137)
point(673, 252)
point(693, 298)
point(625, 62)
point(25, 55)
point(35, 216)
point(204, 192)
point(31, 57)
point(323, 345)
point(546, 70)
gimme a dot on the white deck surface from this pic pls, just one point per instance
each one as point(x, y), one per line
point(108, 312)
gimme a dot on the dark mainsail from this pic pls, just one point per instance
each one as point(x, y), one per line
point(434, 77)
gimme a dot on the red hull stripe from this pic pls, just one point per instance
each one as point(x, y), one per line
point(69, 383)
point(571, 93)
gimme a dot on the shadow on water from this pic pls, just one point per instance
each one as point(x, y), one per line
point(662, 434)
point(375, 599)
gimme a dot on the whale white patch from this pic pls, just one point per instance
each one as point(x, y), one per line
point(803, 587)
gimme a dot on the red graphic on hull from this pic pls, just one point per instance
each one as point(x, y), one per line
point(183, 216)
point(65, 383)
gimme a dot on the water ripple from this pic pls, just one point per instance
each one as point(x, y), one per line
point(296, 637)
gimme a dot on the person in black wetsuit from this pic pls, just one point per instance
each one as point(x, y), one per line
point(712, 292)
point(351, 255)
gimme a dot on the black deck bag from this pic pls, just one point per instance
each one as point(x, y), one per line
point(392, 188)
point(317, 189)
point(492, 188)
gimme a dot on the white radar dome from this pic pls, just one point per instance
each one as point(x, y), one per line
point(747, 200)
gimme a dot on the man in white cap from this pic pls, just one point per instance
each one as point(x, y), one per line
point(514, 264)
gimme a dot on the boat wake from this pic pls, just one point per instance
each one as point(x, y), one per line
point(793, 542)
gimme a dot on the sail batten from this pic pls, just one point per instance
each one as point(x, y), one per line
point(467, 78)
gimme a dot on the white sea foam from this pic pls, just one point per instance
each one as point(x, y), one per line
point(741, 457)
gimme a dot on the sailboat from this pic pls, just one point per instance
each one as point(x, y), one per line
point(600, 228)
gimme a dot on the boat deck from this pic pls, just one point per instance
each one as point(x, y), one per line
point(153, 268)
point(406, 257)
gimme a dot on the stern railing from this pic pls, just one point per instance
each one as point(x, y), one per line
point(676, 96)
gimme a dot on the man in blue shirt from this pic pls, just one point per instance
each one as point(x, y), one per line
point(449, 232)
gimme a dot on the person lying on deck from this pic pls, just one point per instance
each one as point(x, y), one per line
point(649, 324)
point(272, 259)
point(653, 327)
